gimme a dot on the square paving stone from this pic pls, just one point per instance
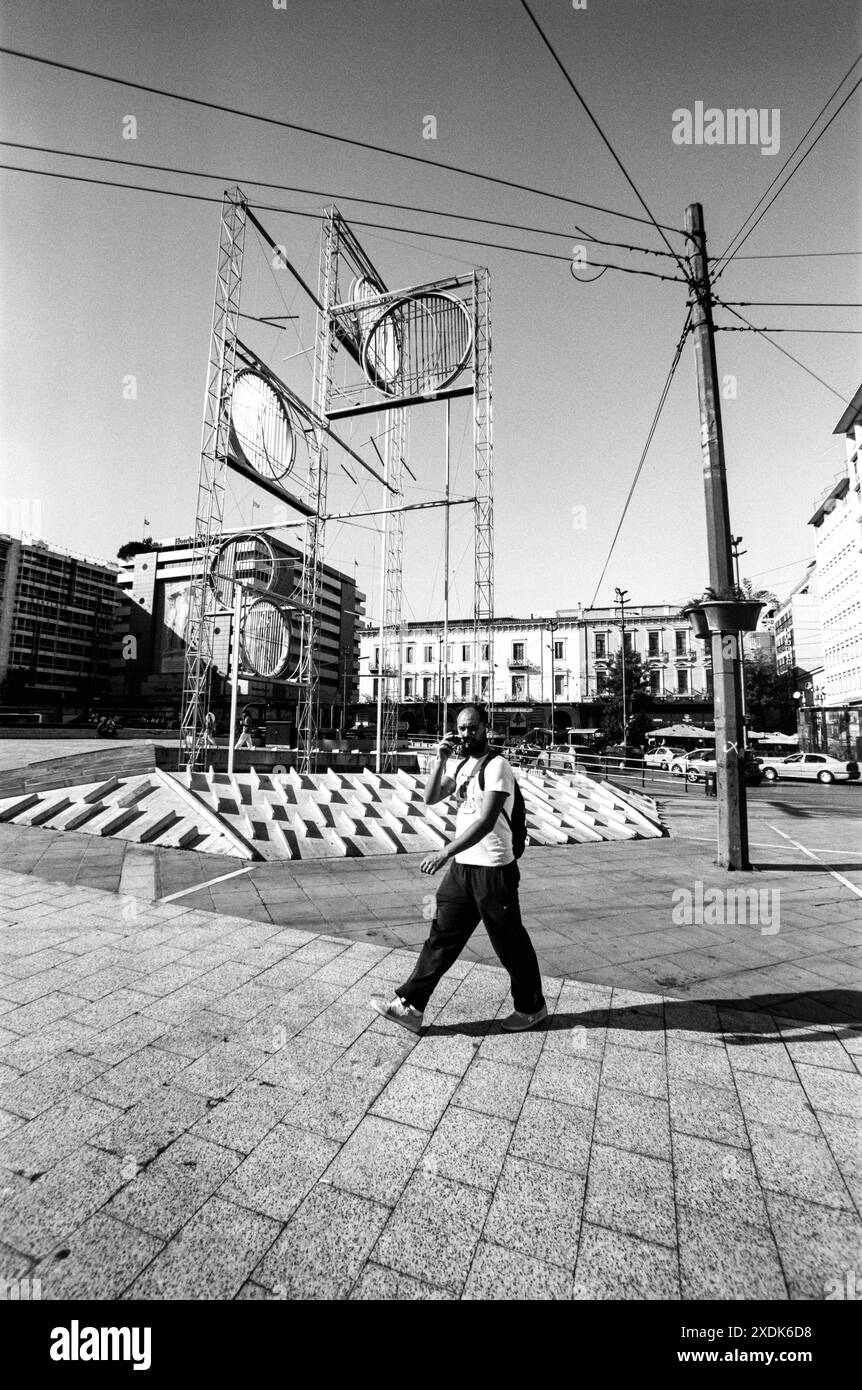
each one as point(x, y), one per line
point(380, 1285)
point(714, 1177)
point(845, 1141)
point(162, 1197)
point(98, 1262)
point(612, 1265)
point(537, 1211)
point(707, 1113)
point(220, 1070)
point(692, 1062)
point(770, 1101)
point(377, 1160)
point(629, 1120)
point(449, 1052)
point(767, 1055)
point(341, 1024)
point(631, 1193)
point(493, 1089)
point(280, 1172)
point(38, 1216)
point(800, 1165)
point(39, 1143)
point(131, 1080)
point(721, 1257)
point(321, 1252)
point(512, 1049)
point(36, 1091)
point(122, 1039)
point(555, 1134)
point(433, 1231)
point(468, 1147)
point(299, 1063)
point(571, 1079)
point(249, 1113)
point(337, 1102)
point(505, 1275)
point(635, 1069)
point(211, 1258)
point(817, 1244)
point(416, 1096)
point(151, 1124)
point(837, 1091)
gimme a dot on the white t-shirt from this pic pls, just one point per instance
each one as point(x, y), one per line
point(496, 848)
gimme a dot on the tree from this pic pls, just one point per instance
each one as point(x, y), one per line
point(768, 696)
point(131, 548)
point(637, 697)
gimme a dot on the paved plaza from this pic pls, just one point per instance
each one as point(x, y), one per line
point(196, 1100)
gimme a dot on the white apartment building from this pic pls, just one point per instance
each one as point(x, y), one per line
point(837, 523)
point(531, 656)
point(797, 630)
point(679, 666)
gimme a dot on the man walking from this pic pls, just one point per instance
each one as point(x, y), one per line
point(244, 740)
point(482, 881)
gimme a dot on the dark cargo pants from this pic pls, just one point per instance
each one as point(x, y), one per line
point(468, 893)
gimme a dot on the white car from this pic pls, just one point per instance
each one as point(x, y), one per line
point(693, 765)
point(810, 767)
point(662, 756)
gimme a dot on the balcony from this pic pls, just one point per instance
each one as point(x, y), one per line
point(658, 659)
point(521, 664)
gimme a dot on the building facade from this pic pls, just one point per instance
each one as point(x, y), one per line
point(796, 627)
point(148, 659)
point(56, 618)
point(679, 667)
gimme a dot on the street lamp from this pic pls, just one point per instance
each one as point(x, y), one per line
point(552, 627)
point(621, 600)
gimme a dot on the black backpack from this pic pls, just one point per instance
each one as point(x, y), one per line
point(518, 822)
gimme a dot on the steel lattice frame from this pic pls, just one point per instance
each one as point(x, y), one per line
point(483, 477)
point(209, 514)
point(316, 489)
point(391, 607)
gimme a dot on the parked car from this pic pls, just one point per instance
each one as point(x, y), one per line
point(697, 764)
point(623, 754)
point(556, 760)
point(693, 761)
point(817, 767)
point(662, 756)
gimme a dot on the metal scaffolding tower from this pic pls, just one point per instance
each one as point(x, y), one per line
point(483, 478)
point(204, 603)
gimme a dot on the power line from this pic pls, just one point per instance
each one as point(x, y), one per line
point(790, 303)
point(792, 255)
point(785, 353)
point(320, 193)
point(297, 212)
point(322, 134)
point(546, 41)
point(652, 429)
point(764, 328)
point(724, 256)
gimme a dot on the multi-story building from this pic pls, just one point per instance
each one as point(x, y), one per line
point(796, 627)
point(56, 615)
point(149, 650)
point(837, 523)
point(679, 666)
point(564, 656)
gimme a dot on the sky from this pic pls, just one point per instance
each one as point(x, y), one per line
point(102, 284)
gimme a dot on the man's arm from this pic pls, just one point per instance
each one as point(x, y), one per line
point(439, 785)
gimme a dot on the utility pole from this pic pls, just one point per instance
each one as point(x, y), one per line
point(621, 600)
point(732, 809)
point(552, 627)
point(736, 542)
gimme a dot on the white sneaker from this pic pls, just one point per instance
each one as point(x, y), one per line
point(398, 1012)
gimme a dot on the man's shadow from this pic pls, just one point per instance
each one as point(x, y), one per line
point(842, 1008)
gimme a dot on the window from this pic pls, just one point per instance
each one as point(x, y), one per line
point(628, 639)
point(428, 649)
point(376, 662)
point(654, 644)
point(655, 682)
point(410, 656)
point(518, 651)
point(559, 684)
point(517, 687)
point(559, 651)
point(449, 651)
point(465, 687)
point(426, 688)
point(465, 651)
point(448, 687)
point(374, 686)
point(681, 642)
point(486, 651)
point(484, 686)
point(601, 646)
point(408, 688)
point(682, 682)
